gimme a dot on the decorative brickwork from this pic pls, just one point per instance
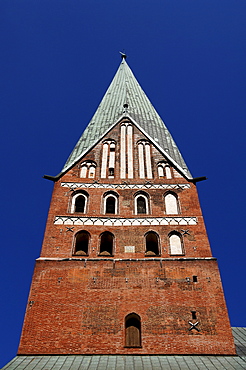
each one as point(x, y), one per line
point(125, 266)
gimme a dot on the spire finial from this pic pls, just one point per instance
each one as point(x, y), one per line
point(123, 55)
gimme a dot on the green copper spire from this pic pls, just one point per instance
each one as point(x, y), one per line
point(126, 97)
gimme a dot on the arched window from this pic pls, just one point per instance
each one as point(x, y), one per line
point(168, 172)
point(106, 244)
point(164, 170)
point(133, 330)
point(79, 202)
point(81, 247)
point(171, 204)
point(175, 243)
point(92, 170)
point(141, 204)
point(110, 203)
point(108, 159)
point(83, 171)
point(160, 169)
point(88, 169)
point(151, 244)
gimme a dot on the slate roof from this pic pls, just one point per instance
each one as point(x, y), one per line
point(131, 362)
point(125, 89)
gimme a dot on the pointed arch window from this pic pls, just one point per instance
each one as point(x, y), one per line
point(171, 203)
point(106, 244)
point(152, 244)
point(81, 246)
point(110, 203)
point(79, 202)
point(132, 330)
point(141, 203)
point(176, 243)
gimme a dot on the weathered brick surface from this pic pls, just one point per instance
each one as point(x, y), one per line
point(78, 305)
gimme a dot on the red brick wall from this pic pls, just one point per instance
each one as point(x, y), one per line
point(78, 305)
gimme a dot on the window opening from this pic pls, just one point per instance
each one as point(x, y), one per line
point(110, 205)
point(82, 243)
point(80, 204)
point(111, 171)
point(141, 205)
point(133, 330)
point(194, 279)
point(152, 245)
point(106, 244)
point(92, 171)
point(193, 313)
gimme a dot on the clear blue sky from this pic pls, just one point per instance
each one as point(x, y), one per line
point(58, 58)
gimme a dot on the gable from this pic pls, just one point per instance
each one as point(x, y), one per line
point(126, 97)
point(125, 152)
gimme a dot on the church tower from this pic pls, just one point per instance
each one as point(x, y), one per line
point(126, 266)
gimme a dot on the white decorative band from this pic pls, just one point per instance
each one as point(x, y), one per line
point(147, 185)
point(105, 221)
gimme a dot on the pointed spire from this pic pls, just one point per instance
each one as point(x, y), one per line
point(125, 96)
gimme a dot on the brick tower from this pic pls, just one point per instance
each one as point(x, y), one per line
point(126, 266)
